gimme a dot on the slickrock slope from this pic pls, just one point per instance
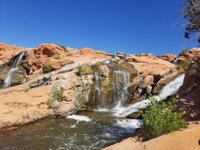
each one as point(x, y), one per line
point(187, 139)
point(24, 103)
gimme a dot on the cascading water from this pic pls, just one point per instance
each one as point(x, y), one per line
point(98, 86)
point(112, 90)
point(175, 61)
point(170, 89)
point(8, 77)
point(121, 82)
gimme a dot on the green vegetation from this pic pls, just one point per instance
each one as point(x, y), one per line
point(186, 64)
point(57, 96)
point(160, 118)
point(47, 68)
point(192, 16)
point(56, 56)
point(84, 70)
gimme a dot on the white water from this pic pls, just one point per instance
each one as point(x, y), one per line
point(8, 77)
point(175, 61)
point(79, 118)
point(121, 82)
point(170, 89)
point(129, 123)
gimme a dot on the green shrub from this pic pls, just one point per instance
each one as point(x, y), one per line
point(56, 97)
point(186, 64)
point(84, 70)
point(47, 68)
point(58, 94)
point(160, 118)
point(50, 102)
point(56, 56)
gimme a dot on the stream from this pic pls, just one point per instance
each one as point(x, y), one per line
point(92, 131)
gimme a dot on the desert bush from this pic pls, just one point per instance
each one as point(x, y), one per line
point(186, 64)
point(57, 96)
point(47, 68)
point(56, 56)
point(160, 118)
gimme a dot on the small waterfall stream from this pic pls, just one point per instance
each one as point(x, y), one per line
point(117, 83)
point(170, 89)
point(8, 77)
point(121, 82)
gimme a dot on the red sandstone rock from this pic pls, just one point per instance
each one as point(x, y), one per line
point(8, 51)
point(168, 57)
point(186, 57)
point(47, 54)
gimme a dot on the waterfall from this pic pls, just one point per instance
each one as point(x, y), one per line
point(121, 82)
point(8, 77)
point(111, 87)
point(175, 61)
point(170, 89)
point(98, 86)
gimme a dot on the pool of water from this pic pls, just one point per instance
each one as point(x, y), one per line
point(69, 134)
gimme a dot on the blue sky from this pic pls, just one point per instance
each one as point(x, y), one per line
point(131, 26)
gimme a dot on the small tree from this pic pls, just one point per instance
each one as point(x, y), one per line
point(159, 119)
point(192, 15)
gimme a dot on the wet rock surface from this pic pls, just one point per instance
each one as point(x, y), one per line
point(102, 85)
